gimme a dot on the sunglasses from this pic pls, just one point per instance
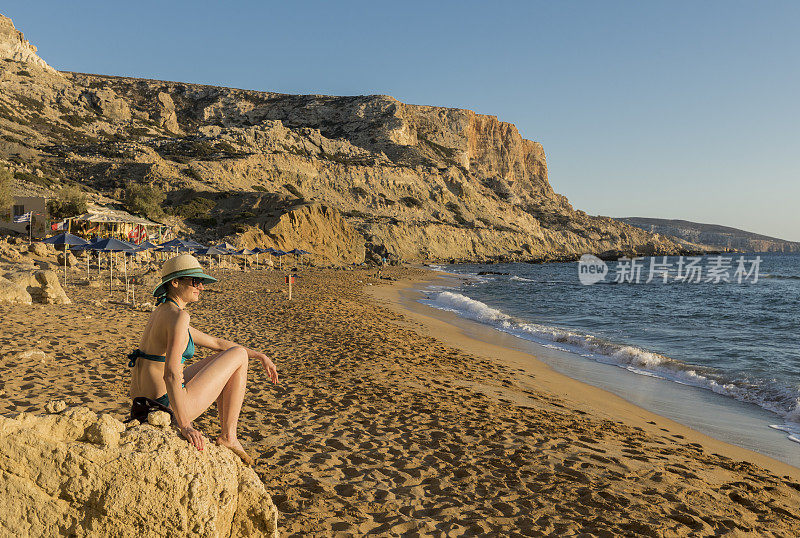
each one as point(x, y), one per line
point(193, 281)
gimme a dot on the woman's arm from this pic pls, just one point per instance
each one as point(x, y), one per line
point(211, 342)
point(178, 338)
point(220, 344)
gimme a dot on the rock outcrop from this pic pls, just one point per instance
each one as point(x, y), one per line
point(312, 227)
point(86, 475)
point(14, 46)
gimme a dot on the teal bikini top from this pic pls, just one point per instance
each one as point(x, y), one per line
point(188, 353)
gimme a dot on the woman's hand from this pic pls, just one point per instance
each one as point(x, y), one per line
point(193, 436)
point(268, 365)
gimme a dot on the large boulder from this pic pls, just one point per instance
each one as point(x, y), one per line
point(42, 286)
point(165, 115)
point(76, 473)
point(49, 290)
point(39, 249)
point(12, 292)
point(71, 259)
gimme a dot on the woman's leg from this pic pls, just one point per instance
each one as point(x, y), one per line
point(190, 371)
point(221, 377)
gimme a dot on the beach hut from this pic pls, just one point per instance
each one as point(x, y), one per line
point(108, 221)
point(65, 239)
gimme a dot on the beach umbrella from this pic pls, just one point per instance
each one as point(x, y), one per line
point(194, 244)
point(65, 239)
point(87, 247)
point(298, 252)
point(212, 251)
point(173, 243)
point(145, 245)
point(258, 251)
point(243, 252)
point(111, 245)
point(132, 252)
point(92, 241)
point(280, 254)
point(270, 251)
point(176, 245)
point(225, 246)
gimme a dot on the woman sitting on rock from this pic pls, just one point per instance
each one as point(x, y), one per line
point(168, 340)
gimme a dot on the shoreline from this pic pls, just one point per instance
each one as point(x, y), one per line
point(444, 326)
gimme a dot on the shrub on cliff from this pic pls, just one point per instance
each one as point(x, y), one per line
point(410, 201)
point(144, 200)
point(292, 189)
point(69, 202)
point(195, 209)
point(202, 149)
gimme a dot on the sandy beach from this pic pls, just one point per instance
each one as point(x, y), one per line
point(389, 421)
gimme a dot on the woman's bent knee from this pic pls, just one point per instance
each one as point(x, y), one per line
point(239, 352)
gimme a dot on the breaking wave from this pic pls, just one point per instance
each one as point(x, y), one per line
point(780, 400)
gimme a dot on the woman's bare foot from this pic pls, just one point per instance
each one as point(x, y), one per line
point(237, 449)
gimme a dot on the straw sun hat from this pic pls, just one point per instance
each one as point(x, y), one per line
point(180, 266)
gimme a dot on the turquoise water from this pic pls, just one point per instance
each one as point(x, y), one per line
point(738, 340)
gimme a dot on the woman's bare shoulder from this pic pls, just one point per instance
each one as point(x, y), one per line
point(174, 317)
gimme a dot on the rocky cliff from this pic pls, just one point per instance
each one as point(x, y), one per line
point(713, 235)
point(414, 182)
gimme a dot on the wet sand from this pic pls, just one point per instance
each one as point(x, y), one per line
point(388, 421)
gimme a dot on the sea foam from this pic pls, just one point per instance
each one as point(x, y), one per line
point(634, 359)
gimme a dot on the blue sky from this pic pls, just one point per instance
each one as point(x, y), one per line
point(661, 109)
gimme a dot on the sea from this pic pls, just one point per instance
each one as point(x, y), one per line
point(724, 324)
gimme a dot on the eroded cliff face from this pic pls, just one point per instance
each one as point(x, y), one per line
point(416, 182)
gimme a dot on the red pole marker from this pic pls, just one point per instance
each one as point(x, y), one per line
point(290, 281)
